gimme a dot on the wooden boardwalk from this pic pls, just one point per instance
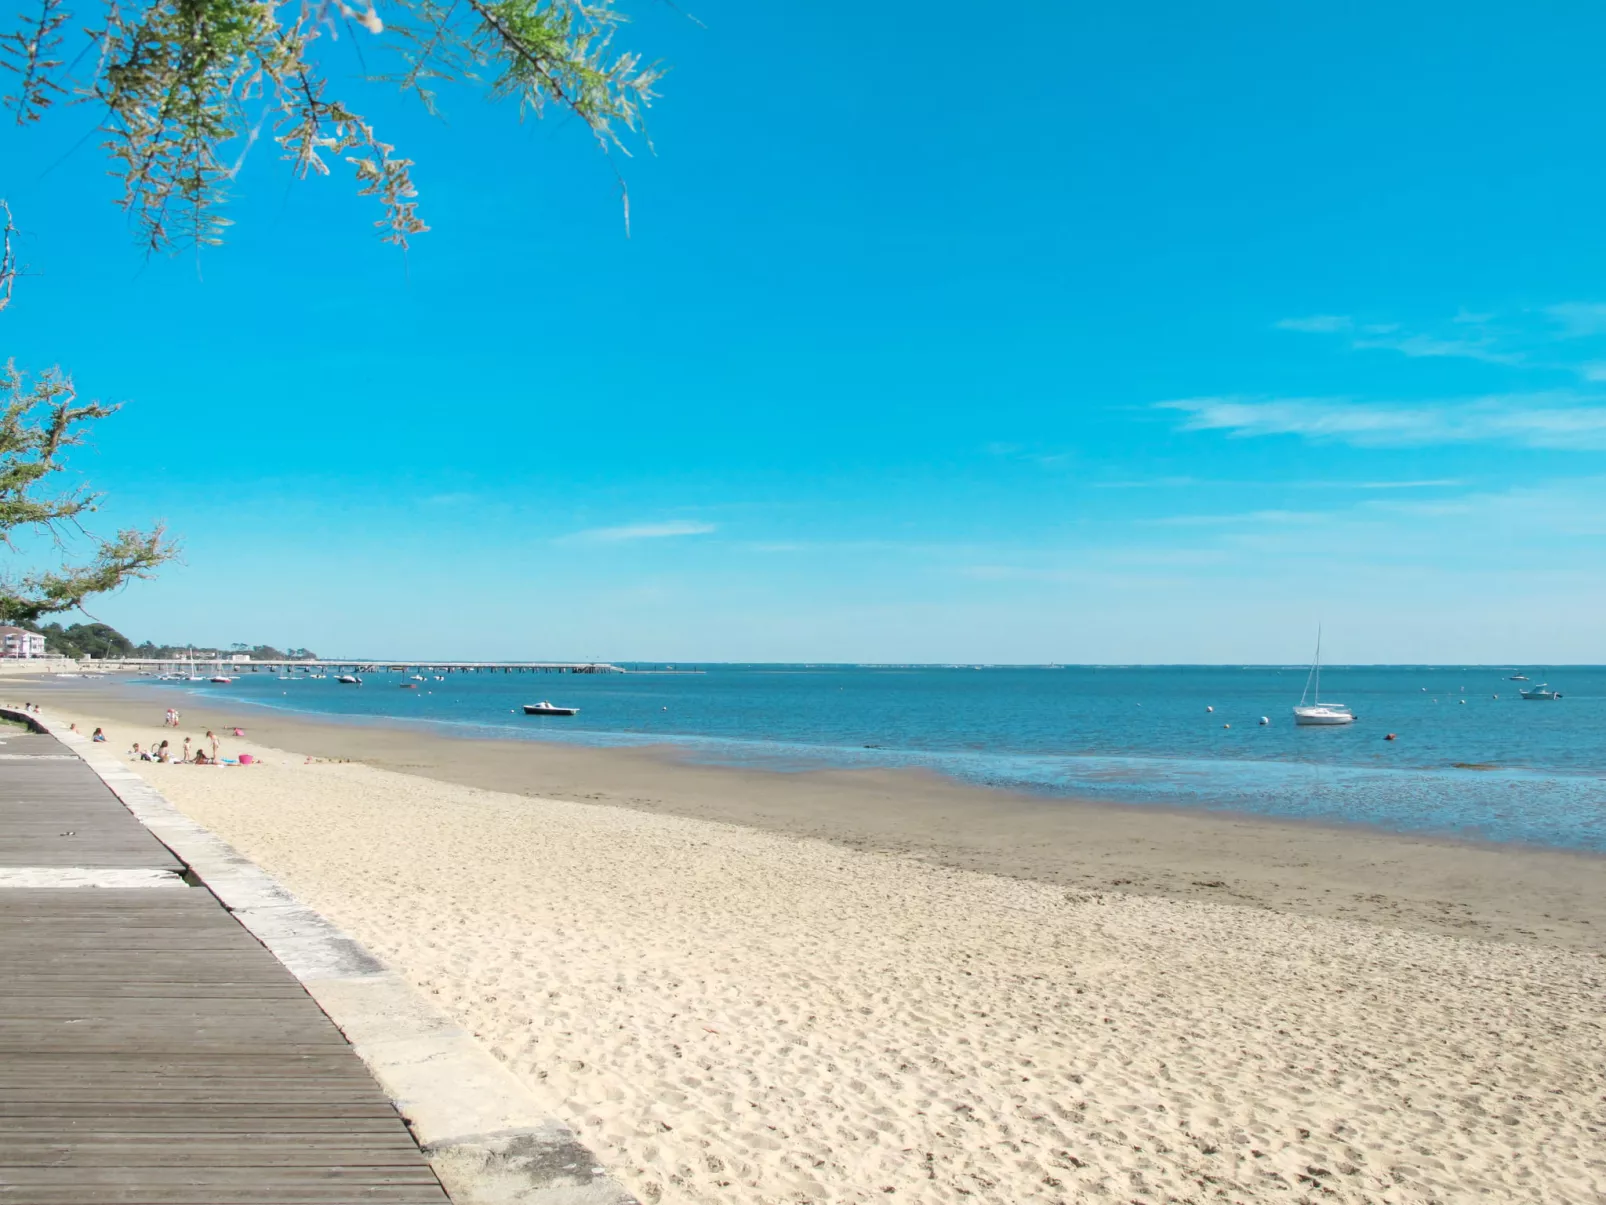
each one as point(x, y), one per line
point(152, 1052)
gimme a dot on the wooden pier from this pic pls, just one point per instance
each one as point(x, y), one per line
point(151, 1050)
point(223, 665)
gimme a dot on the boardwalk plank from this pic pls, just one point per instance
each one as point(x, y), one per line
point(151, 1050)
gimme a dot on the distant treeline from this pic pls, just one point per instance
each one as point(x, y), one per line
point(102, 641)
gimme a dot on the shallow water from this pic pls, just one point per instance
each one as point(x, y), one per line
point(1133, 735)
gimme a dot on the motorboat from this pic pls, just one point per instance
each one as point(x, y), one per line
point(545, 708)
point(221, 679)
point(349, 679)
point(1517, 678)
point(1542, 691)
point(1316, 713)
point(408, 685)
point(416, 677)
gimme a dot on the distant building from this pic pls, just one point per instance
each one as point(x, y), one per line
point(17, 642)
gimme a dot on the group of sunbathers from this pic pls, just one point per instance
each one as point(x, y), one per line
point(166, 753)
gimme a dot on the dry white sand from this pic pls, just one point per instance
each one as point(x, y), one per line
point(731, 1015)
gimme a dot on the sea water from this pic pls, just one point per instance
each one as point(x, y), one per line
point(1465, 762)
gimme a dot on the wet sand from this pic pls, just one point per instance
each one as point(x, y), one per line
point(1427, 884)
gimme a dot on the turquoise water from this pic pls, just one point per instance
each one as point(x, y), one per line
point(1139, 735)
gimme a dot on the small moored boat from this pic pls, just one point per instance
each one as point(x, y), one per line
point(1542, 691)
point(349, 679)
point(1317, 713)
point(545, 708)
point(221, 679)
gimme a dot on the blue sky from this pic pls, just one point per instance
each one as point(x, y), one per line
point(1078, 334)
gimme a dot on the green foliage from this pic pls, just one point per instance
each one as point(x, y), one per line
point(85, 640)
point(38, 422)
point(183, 652)
point(185, 86)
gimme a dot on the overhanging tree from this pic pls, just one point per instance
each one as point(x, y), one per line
point(185, 87)
point(39, 421)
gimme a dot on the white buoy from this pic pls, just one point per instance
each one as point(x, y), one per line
point(1209, 708)
point(1264, 721)
point(1226, 725)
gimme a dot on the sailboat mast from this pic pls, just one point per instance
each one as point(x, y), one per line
point(1318, 699)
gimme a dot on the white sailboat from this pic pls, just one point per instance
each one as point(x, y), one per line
point(1317, 712)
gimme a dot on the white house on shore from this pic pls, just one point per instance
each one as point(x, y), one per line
point(17, 642)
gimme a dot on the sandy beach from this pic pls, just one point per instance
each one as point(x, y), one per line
point(752, 987)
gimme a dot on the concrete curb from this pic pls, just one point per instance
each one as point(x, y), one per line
point(482, 1131)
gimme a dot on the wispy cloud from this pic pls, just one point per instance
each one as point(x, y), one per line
point(1526, 338)
point(1278, 517)
point(1156, 483)
point(1318, 324)
point(1579, 319)
point(1032, 454)
point(1558, 419)
point(1435, 483)
point(1420, 346)
point(1302, 484)
point(643, 531)
point(1482, 344)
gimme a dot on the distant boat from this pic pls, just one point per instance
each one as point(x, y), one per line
point(408, 685)
point(1517, 678)
point(545, 708)
point(349, 679)
point(221, 680)
point(416, 677)
point(1317, 713)
point(1542, 691)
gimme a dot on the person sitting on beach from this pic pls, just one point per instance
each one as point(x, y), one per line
point(98, 736)
point(162, 753)
point(201, 758)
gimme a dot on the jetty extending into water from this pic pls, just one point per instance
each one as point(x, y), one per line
point(224, 665)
